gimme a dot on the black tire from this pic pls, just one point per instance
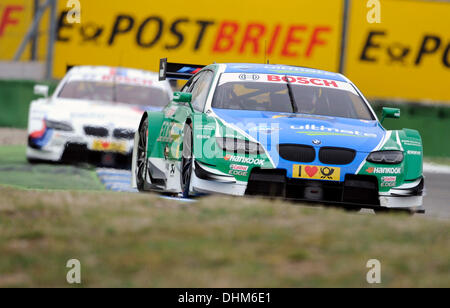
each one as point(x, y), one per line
point(187, 161)
point(141, 156)
point(352, 209)
point(35, 161)
point(383, 211)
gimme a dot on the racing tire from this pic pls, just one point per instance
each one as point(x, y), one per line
point(352, 209)
point(187, 161)
point(37, 161)
point(141, 157)
point(34, 161)
point(382, 211)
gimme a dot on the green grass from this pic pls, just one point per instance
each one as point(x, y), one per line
point(16, 172)
point(141, 240)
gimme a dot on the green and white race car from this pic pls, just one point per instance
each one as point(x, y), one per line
point(278, 131)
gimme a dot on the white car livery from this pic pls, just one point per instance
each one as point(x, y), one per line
point(92, 115)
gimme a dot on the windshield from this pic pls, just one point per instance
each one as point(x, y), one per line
point(314, 96)
point(120, 93)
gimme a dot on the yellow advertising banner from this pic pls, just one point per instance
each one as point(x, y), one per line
point(395, 48)
point(137, 33)
point(400, 49)
point(15, 18)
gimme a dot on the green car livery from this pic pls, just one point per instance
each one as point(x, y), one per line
point(280, 131)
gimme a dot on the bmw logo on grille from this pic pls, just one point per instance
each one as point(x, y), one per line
point(316, 142)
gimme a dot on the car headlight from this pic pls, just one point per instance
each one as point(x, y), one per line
point(386, 157)
point(56, 125)
point(239, 146)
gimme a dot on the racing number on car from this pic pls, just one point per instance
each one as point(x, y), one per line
point(316, 172)
point(164, 134)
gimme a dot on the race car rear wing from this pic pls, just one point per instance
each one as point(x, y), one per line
point(169, 70)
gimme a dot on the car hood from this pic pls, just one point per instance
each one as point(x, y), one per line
point(272, 128)
point(79, 112)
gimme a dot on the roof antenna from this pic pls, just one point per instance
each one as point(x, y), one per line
point(266, 60)
point(265, 52)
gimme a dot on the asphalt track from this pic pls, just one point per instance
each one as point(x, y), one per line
point(436, 202)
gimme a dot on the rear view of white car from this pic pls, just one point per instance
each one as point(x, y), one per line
point(92, 115)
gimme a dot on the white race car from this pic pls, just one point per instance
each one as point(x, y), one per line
point(93, 115)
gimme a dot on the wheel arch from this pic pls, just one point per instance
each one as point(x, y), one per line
point(155, 120)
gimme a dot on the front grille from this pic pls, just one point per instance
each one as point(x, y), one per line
point(75, 153)
point(354, 190)
point(336, 156)
point(360, 189)
point(121, 133)
point(96, 131)
point(297, 152)
point(267, 182)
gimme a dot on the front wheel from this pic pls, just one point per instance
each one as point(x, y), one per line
point(141, 159)
point(33, 161)
point(381, 211)
point(187, 161)
point(352, 209)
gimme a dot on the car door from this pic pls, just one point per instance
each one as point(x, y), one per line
point(175, 116)
point(199, 87)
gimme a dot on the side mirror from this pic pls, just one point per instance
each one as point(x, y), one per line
point(41, 90)
point(182, 97)
point(393, 113)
